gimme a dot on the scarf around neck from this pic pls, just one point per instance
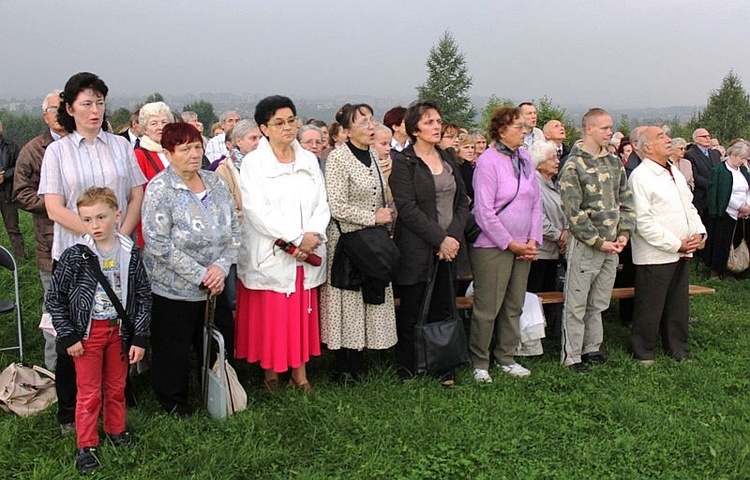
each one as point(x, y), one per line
point(517, 161)
point(151, 145)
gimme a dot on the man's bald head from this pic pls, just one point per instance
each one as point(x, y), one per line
point(554, 131)
point(655, 144)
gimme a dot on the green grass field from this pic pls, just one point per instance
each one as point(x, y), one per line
point(618, 421)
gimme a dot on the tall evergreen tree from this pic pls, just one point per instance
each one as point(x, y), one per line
point(727, 113)
point(155, 97)
point(448, 82)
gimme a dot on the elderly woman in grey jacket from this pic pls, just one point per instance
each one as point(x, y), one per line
point(191, 238)
point(544, 270)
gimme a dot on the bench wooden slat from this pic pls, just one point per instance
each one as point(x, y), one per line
point(552, 298)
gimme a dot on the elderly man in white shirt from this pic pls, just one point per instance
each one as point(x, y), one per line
point(216, 147)
point(668, 232)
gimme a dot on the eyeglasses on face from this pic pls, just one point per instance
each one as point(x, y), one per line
point(292, 122)
point(365, 123)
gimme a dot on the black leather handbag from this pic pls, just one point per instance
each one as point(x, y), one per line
point(439, 346)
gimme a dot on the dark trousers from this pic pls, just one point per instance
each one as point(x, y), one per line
point(176, 330)
point(662, 304)
point(723, 232)
point(349, 361)
point(408, 313)
point(626, 278)
point(65, 385)
point(9, 211)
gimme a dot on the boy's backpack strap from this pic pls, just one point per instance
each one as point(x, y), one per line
point(93, 262)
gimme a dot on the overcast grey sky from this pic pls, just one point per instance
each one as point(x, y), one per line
point(609, 53)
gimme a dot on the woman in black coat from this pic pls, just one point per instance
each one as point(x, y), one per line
point(432, 209)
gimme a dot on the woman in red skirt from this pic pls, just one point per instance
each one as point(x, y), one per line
point(283, 196)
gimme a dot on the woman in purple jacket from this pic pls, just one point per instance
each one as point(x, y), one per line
point(508, 209)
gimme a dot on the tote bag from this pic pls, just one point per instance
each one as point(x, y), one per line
point(439, 346)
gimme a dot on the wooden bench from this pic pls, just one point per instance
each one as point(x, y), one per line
point(552, 298)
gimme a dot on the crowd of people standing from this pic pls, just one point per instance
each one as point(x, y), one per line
point(265, 234)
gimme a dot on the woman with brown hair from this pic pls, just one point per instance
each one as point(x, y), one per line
point(432, 210)
point(508, 209)
point(356, 196)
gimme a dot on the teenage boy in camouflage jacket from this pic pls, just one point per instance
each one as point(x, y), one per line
point(599, 208)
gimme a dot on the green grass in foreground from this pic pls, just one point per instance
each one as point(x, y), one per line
point(682, 421)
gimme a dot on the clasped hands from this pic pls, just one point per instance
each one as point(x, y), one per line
point(310, 241)
point(448, 249)
point(614, 247)
point(524, 251)
point(691, 243)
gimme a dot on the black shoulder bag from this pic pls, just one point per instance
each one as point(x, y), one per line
point(439, 346)
point(365, 253)
point(93, 262)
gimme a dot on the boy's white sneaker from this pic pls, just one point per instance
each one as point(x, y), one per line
point(516, 370)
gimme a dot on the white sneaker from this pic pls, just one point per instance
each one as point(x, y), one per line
point(482, 376)
point(516, 370)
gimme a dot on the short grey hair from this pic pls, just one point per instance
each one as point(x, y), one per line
point(695, 132)
point(225, 114)
point(307, 128)
point(153, 109)
point(540, 150)
point(45, 102)
point(189, 116)
point(739, 149)
point(241, 129)
point(637, 139)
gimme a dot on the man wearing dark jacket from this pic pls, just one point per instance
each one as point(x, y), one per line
point(25, 186)
point(9, 210)
point(703, 160)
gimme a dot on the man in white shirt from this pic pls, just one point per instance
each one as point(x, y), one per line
point(216, 147)
point(394, 119)
point(531, 132)
point(668, 231)
point(134, 131)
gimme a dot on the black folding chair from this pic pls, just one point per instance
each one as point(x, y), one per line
point(8, 262)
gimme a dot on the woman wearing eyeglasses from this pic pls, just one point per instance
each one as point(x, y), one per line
point(284, 202)
point(508, 208)
point(356, 194)
point(679, 145)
